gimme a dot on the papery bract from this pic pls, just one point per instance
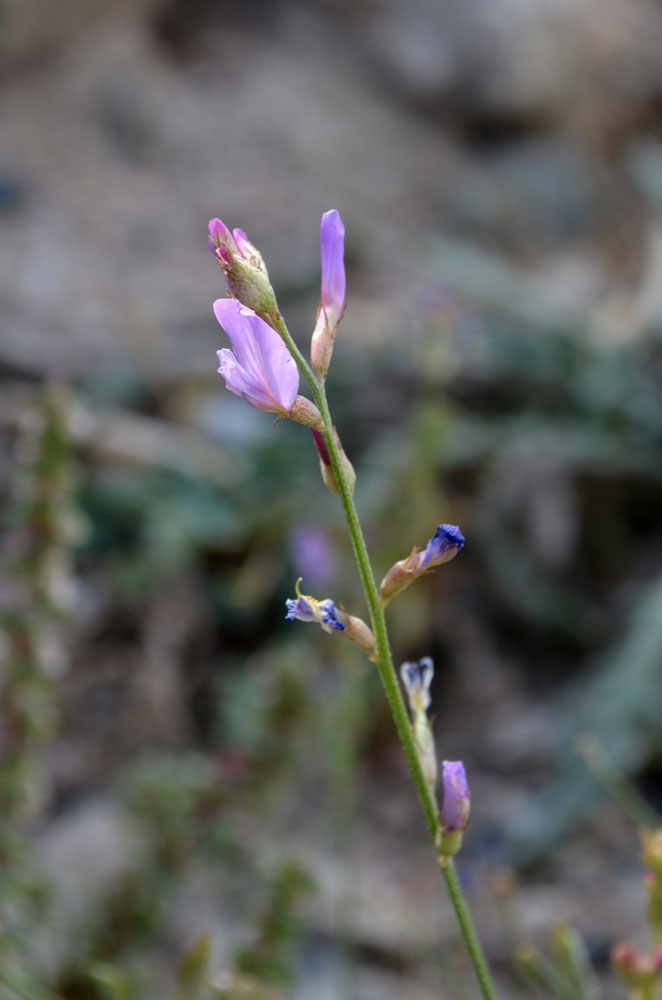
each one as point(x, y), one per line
point(261, 369)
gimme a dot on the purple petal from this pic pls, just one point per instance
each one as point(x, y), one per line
point(332, 248)
point(218, 233)
point(456, 803)
point(244, 245)
point(267, 364)
point(238, 381)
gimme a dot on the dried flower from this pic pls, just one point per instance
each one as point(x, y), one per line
point(325, 613)
point(332, 249)
point(417, 678)
point(444, 545)
point(243, 267)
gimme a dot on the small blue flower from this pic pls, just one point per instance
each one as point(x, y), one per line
point(446, 542)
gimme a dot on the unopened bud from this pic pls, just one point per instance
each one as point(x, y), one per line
point(329, 314)
point(328, 475)
point(455, 810)
point(243, 267)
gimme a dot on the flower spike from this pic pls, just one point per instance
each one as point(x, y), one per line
point(332, 251)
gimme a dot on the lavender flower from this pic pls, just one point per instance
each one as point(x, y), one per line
point(332, 250)
point(261, 369)
point(456, 803)
point(243, 267)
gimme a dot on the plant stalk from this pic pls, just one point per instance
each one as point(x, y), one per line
point(385, 664)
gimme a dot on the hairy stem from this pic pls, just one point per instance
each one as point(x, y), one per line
point(385, 662)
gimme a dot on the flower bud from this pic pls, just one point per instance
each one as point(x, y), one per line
point(243, 267)
point(329, 314)
point(455, 809)
point(328, 475)
point(444, 545)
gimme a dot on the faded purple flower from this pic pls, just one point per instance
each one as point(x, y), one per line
point(456, 804)
point(446, 542)
point(261, 369)
point(417, 678)
point(332, 249)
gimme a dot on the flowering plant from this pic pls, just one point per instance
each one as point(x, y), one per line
point(263, 367)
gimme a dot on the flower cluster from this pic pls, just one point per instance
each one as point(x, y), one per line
point(263, 368)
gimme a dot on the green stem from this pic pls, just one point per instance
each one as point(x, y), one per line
point(468, 930)
point(385, 661)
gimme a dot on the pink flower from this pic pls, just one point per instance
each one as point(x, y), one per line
point(332, 249)
point(261, 369)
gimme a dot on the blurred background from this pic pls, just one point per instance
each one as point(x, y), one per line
point(187, 781)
